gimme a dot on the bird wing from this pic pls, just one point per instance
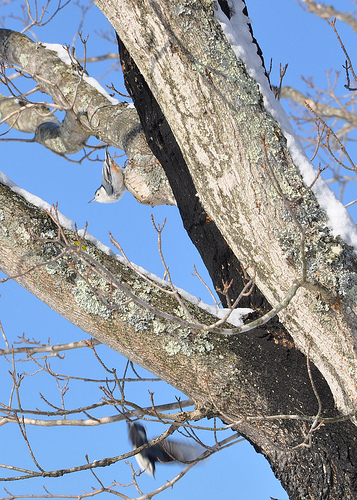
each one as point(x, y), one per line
point(167, 451)
point(137, 434)
point(107, 182)
point(171, 451)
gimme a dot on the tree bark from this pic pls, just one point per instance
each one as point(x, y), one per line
point(243, 182)
point(211, 103)
point(243, 378)
point(221, 263)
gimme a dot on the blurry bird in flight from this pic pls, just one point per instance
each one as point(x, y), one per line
point(168, 451)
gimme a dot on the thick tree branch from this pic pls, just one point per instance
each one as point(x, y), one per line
point(89, 111)
point(225, 376)
point(219, 259)
point(244, 188)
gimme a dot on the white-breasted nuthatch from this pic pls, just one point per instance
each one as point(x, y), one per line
point(168, 451)
point(112, 188)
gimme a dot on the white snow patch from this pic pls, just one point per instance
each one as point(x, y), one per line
point(235, 317)
point(60, 50)
point(237, 32)
point(35, 200)
point(64, 56)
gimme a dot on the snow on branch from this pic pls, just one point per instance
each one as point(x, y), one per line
point(89, 111)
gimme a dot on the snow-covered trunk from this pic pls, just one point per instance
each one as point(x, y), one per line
point(245, 175)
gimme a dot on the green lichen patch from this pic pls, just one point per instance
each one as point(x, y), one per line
point(89, 301)
point(189, 343)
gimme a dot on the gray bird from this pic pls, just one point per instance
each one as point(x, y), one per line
point(167, 451)
point(112, 188)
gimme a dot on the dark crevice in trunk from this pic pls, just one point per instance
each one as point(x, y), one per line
point(221, 263)
point(269, 371)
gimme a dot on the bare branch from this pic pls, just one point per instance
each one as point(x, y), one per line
point(48, 348)
point(348, 67)
point(328, 12)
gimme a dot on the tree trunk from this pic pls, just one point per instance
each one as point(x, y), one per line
point(245, 177)
point(244, 378)
point(220, 261)
point(223, 266)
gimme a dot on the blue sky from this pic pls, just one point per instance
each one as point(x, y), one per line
point(288, 35)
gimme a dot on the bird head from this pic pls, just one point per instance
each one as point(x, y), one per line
point(101, 196)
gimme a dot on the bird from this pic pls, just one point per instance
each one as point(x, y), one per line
point(167, 451)
point(113, 187)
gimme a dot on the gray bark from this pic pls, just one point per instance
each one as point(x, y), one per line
point(216, 113)
point(244, 379)
point(88, 112)
point(211, 103)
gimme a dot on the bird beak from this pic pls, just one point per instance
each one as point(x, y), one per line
point(91, 200)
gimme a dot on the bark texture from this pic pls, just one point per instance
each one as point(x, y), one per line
point(243, 378)
point(163, 144)
point(244, 175)
point(223, 266)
